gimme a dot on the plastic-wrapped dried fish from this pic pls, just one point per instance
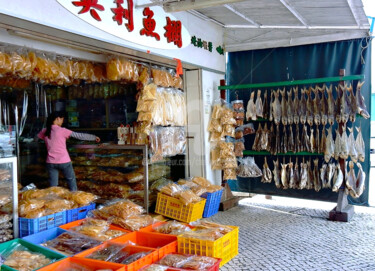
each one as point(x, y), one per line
point(344, 147)
point(361, 106)
point(296, 174)
point(284, 175)
point(276, 107)
point(352, 146)
point(323, 106)
point(259, 105)
point(323, 175)
point(331, 106)
point(251, 109)
point(291, 173)
point(267, 174)
point(284, 108)
point(336, 153)
point(309, 107)
point(350, 180)
point(276, 173)
point(302, 107)
point(265, 105)
point(312, 140)
point(360, 182)
point(284, 142)
point(317, 184)
point(248, 168)
point(303, 175)
point(296, 116)
point(338, 178)
point(290, 107)
point(330, 175)
point(323, 141)
point(352, 104)
point(360, 145)
point(257, 138)
point(330, 146)
point(316, 106)
point(291, 145)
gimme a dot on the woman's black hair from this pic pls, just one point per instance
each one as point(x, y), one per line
point(50, 119)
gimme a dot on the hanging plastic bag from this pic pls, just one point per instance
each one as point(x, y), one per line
point(248, 168)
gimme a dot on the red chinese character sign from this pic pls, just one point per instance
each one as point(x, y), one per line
point(147, 26)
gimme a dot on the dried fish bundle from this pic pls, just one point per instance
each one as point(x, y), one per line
point(296, 175)
point(251, 109)
point(352, 104)
point(360, 182)
point(316, 106)
point(259, 105)
point(304, 176)
point(309, 107)
point(323, 175)
point(267, 174)
point(350, 180)
point(284, 175)
point(264, 143)
point(291, 145)
point(331, 174)
point(296, 116)
point(360, 145)
point(276, 173)
point(330, 146)
point(291, 174)
point(284, 141)
point(361, 106)
point(302, 107)
point(310, 183)
point(317, 184)
point(336, 153)
point(331, 106)
point(312, 140)
point(344, 148)
point(337, 179)
point(276, 107)
point(265, 105)
point(290, 107)
point(284, 108)
point(258, 135)
point(323, 106)
point(248, 168)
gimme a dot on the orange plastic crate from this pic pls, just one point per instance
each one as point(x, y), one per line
point(173, 208)
point(150, 258)
point(69, 263)
point(164, 243)
point(225, 247)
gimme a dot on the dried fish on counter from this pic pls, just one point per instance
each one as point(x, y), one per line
point(276, 107)
point(323, 106)
point(303, 175)
point(337, 179)
point(331, 106)
point(290, 107)
point(350, 180)
point(291, 173)
point(361, 106)
point(302, 107)
point(352, 104)
point(267, 174)
point(259, 105)
point(317, 185)
point(317, 106)
point(296, 175)
point(360, 182)
point(248, 168)
point(251, 108)
point(296, 106)
point(258, 134)
point(276, 173)
point(309, 107)
point(284, 175)
point(330, 146)
point(265, 105)
point(360, 145)
point(284, 108)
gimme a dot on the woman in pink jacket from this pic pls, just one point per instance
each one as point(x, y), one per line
point(58, 157)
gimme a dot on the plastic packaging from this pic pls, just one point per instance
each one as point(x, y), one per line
point(172, 227)
point(248, 168)
point(186, 196)
point(133, 223)
point(174, 260)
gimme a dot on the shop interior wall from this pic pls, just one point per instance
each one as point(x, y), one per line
point(299, 63)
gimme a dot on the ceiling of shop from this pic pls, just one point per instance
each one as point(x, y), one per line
point(259, 24)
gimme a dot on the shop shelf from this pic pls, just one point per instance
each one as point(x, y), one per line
point(85, 264)
point(164, 243)
point(225, 247)
point(78, 213)
point(8, 247)
point(150, 258)
point(174, 208)
point(212, 203)
point(28, 226)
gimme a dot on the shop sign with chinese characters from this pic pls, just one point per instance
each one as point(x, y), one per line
point(207, 45)
point(148, 26)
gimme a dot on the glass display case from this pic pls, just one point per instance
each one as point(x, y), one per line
point(8, 199)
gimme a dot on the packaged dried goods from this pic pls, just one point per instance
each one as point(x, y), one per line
point(134, 222)
point(229, 174)
point(248, 168)
point(174, 260)
point(237, 105)
point(172, 227)
point(186, 196)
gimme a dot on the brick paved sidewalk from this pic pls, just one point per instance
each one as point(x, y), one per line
point(292, 234)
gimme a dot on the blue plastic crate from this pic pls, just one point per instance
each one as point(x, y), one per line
point(78, 213)
point(28, 226)
point(212, 203)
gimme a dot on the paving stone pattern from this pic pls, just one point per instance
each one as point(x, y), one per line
point(288, 234)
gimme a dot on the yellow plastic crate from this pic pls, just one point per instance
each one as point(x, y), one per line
point(173, 208)
point(225, 247)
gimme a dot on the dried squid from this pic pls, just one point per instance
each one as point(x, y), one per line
point(360, 145)
point(284, 108)
point(290, 107)
point(259, 105)
point(331, 106)
point(267, 174)
point(361, 106)
point(251, 108)
point(276, 173)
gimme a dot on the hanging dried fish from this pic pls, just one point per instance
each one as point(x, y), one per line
point(265, 105)
point(284, 108)
point(284, 143)
point(323, 141)
point(336, 153)
point(251, 108)
point(291, 174)
point(344, 108)
point(304, 176)
point(317, 106)
point(350, 180)
point(264, 139)
point(258, 134)
point(330, 175)
point(317, 184)
point(323, 106)
point(296, 116)
point(271, 106)
point(272, 140)
point(296, 174)
point(284, 175)
point(309, 107)
point(331, 106)
point(310, 178)
point(312, 140)
point(344, 147)
point(317, 141)
point(290, 107)
point(306, 146)
point(297, 142)
point(352, 146)
point(337, 179)
point(323, 175)
point(302, 107)
point(278, 141)
point(338, 104)
point(360, 182)
point(276, 173)
point(259, 105)
point(361, 106)
point(291, 145)
point(276, 107)
point(330, 146)
point(360, 145)
point(267, 174)
point(352, 104)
